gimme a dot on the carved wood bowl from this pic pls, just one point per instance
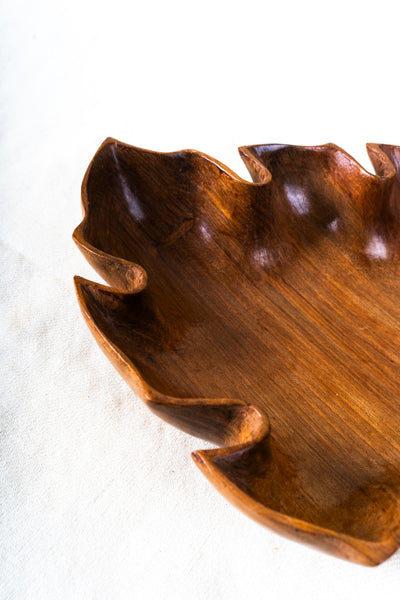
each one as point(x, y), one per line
point(265, 317)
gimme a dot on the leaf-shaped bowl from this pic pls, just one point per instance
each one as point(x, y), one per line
point(265, 317)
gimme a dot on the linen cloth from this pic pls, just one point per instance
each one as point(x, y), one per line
point(99, 498)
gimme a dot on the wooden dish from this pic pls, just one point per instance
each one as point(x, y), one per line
point(265, 317)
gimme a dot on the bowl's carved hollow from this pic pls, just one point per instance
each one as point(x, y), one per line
point(263, 316)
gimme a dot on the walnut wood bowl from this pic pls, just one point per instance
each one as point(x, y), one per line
point(265, 317)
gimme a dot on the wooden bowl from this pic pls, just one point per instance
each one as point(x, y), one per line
point(264, 317)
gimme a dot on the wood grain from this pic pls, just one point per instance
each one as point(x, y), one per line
point(265, 317)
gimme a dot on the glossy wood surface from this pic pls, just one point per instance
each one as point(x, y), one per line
point(265, 317)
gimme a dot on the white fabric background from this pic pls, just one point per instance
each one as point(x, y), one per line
point(100, 499)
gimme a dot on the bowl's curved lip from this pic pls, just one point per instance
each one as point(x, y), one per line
point(360, 550)
point(371, 148)
point(388, 172)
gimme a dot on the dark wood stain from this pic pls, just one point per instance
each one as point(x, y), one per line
point(265, 317)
